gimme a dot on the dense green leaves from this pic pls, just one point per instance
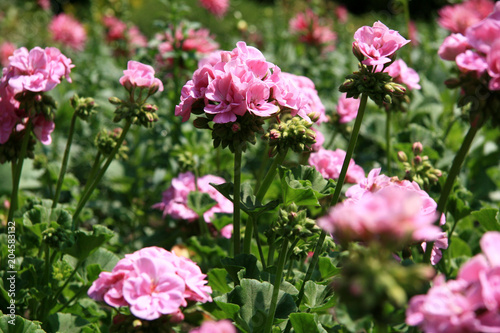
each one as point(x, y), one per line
point(304, 186)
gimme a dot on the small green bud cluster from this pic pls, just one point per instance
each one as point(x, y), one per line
point(377, 85)
point(10, 150)
point(141, 113)
point(373, 283)
point(419, 169)
point(294, 223)
point(295, 134)
point(106, 141)
point(130, 324)
point(35, 103)
point(240, 132)
point(58, 237)
point(84, 106)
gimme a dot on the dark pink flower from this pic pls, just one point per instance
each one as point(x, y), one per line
point(378, 43)
point(8, 116)
point(116, 28)
point(401, 73)
point(484, 33)
point(216, 7)
point(221, 326)
point(329, 164)
point(140, 75)
point(458, 17)
point(227, 231)
point(471, 61)
point(347, 108)
point(68, 31)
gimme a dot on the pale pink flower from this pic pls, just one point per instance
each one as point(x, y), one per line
point(6, 50)
point(347, 108)
point(401, 73)
point(484, 33)
point(493, 61)
point(320, 140)
point(227, 231)
point(229, 97)
point(329, 164)
point(223, 205)
point(458, 17)
point(378, 43)
point(152, 282)
point(42, 129)
point(470, 61)
point(452, 46)
point(216, 7)
point(257, 97)
point(310, 96)
point(221, 326)
point(68, 31)
point(140, 75)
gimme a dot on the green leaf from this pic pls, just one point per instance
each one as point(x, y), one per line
point(248, 202)
point(488, 218)
point(217, 279)
point(87, 242)
point(327, 267)
point(62, 217)
point(304, 323)
point(244, 261)
point(106, 259)
point(459, 248)
point(17, 324)
point(304, 185)
point(318, 297)
point(66, 322)
point(200, 202)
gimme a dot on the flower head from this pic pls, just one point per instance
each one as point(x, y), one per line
point(140, 75)
point(216, 7)
point(68, 31)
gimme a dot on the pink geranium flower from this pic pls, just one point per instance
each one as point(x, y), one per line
point(378, 43)
point(458, 17)
point(216, 7)
point(401, 73)
point(68, 31)
point(221, 326)
point(347, 108)
point(470, 61)
point(311, 30)
point(493, 62)
point(6, 50)
point(452, 46)
point(140, 75)
point(329, 164)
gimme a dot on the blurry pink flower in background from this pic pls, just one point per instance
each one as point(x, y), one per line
point(115, 27)
point(68, 31)
point(44, 4)
point(216, 7)
point(413, 33)
point(135, 38)
point(471, 303)
point(8, 116)
point(221, 326)
point(227, 231)
point(6, 50)
point(223, 204)
point(401, 73)
point(493, 61)
point(347, 108)
point(152, 282)
point(471, 61)
point(320, 140)
point(124, 38)
point(310, 30)
point(329, 163)
point(42, 129)
point(452, 46)
point(378, 43)
point(342, 14)
point(458, 17)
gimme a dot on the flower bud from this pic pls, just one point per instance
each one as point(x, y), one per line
point(201, 123)
point(402, 156)
point(115, 101)
point(417, 148)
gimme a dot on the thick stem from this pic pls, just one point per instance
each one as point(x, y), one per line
point(86, 196)
point(17, 169)
point(388, 139)
point(64, 164)
point(276, 287)
point(261, 192)
point(236, 200)
point(336, 194)
point(452, 175)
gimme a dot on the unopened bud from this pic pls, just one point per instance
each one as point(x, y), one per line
point(115, 100)
point(235, 128)
point(357, 53)
point(417, 160)
point(417, 148)
point(402, 156)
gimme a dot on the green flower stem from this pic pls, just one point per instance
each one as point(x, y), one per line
point(388, 139)
point(336, 194)
point(270, 253)
point(86, 196)
point(261, 192)
point(93, 172)
point(276, 287)
point(236, 200)
point(257, 239)
point(452, 175)
point(64, 164)
point(17, 169)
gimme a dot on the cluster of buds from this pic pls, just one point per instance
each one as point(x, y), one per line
point(240, 132)
point(419, 169)
point(373, 283)
point(58, 237)
point(10, 150)
point(377, 85)
point(106, 141)
point(84, 106)
point(293, 223)
point(141, 114)
point(36, 103)
point(295, 134)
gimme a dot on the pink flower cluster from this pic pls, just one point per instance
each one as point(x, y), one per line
point(347, 109)
point(471, 303)
point(183, 38)
point(68, 31)
point(174, 202)
point(401, 73)
point(241, 81)
point(387, 210)
point(458, 17)
point(221, 326)
point(139, 75)
point(478, 51)
point(329, 164)
point(152, 282)
point(38, 70)
point(216, 7)
point(308, 27)
point(378, 43)
point(119, 32)
point(6, 50)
